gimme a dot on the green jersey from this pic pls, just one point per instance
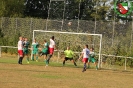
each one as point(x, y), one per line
point(68, 53)
point(35, 46)
point(45, 49)
point(92, 54)
point(26, 45)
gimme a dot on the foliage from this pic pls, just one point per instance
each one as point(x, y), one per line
point(72, 9)
point(12, 8)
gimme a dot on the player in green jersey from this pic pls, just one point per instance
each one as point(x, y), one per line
point(25, 49)
point(44, 51)
point(35, 46)
point(92, 58)
point(69, 56)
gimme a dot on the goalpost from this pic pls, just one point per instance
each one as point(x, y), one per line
point(75, 40)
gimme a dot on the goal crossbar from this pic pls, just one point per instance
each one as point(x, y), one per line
point(66, 32)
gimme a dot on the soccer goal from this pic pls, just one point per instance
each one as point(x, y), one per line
point(75, 40)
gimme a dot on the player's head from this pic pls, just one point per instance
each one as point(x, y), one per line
point(45, 41)
point(34, 40)
point(52, 37)
point(68, 47)
point(91, 49)
point(86, 46)
point(25, 39)
point(20, 38)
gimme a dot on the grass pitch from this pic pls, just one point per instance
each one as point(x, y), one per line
point(35, 75)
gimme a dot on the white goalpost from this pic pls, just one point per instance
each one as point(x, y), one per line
point(73, 39)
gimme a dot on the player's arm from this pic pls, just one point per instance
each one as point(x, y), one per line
point(72, 53)
point(29, 46)
point(53, 42)
point(81, 56)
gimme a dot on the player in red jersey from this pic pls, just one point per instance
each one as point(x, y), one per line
point(20, 50)
point(85, 55)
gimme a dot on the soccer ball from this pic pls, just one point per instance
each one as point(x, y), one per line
point(69, 23)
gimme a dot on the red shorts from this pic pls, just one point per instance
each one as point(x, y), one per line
point(20, 52)
point(51, 50)
point(85, 60)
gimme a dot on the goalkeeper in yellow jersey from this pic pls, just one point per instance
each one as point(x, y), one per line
point(69, 56)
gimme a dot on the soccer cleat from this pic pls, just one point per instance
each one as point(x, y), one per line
point(75, 64)
point(88, 67)
point(46, 65)
point(20, 63)
point(96, 68)
point(48, 61)
point(83, 70)
point(41, 54)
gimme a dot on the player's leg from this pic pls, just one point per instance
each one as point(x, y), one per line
point(40, 52)
point(65, 59)
point(89, 60)
point(45, 58)
point(33, 56)
point(50, 55)
point(27, 58)
point(37, 57)
point(51, 51)
point(20, 56)
point(94, 61)
point(36, 54)
point(73, 62)
point(85, 60)
point(26, 55)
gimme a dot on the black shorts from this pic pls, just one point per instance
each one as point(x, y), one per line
point(41, 53)
point(67, 58)
point(44, 54)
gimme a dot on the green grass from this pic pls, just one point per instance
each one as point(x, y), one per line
point(35, 75)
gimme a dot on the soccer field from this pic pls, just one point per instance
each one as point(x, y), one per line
point(35, 75)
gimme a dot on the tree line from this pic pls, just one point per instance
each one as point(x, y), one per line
point(67, 9)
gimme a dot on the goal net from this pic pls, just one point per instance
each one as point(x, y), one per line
point(75, 40)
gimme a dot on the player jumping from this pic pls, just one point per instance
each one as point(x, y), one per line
point(51, 48)
point(85, 55)
point(44, 51)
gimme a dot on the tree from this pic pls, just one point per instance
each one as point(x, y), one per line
point(11, 8)
point(37, 8)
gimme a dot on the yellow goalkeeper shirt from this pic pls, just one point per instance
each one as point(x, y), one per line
point(68, 53)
